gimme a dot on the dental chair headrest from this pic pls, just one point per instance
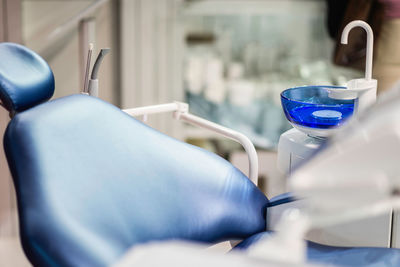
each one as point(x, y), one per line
point(25, 78)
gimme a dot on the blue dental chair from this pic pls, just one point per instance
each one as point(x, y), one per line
point(92, 182)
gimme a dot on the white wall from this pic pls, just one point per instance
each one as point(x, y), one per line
point(151, 47)
point(7, 197)
point(41, 17)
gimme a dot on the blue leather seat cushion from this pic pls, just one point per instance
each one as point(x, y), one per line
point(92, 181)
point(340, 256)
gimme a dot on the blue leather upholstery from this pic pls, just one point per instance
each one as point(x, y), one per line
point(340, 256)
point(91, 182)
point(25, 78)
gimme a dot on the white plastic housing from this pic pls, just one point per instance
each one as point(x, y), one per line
point(361, 89)
point(295, 147)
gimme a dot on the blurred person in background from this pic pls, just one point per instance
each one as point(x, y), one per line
point(384, 18)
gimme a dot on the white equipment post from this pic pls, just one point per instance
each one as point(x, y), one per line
point(181, 112)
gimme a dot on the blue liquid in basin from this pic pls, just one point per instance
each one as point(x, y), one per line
point(310, 106)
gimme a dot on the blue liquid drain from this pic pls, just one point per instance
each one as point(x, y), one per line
point(320, 117)
point(327, 114)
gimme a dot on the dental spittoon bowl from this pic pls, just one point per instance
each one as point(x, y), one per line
point(311, 106)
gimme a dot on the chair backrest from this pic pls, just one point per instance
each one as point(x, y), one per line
point(92, 181)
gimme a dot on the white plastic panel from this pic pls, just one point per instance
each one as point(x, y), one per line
point(372, 232)
point(396, 230)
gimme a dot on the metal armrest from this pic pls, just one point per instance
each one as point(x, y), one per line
point(181, 112)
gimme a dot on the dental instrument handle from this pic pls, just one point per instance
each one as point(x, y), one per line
point(99, 59)
point(370, 43)
point(93, 86)
point(85, 85)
